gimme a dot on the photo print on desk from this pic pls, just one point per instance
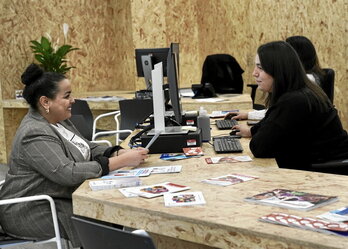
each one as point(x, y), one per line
point(193, 151)
point(183, 199)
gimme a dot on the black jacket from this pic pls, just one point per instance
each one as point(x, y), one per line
point(296, 133)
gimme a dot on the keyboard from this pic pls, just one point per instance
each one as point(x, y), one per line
point(225, 124)
point(226, 144)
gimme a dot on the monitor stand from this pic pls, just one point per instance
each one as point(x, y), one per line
point(169, 130)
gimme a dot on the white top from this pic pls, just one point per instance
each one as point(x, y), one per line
point(257, 114)
point(78, 142)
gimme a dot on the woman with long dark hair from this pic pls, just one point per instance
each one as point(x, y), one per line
point(301, 125)
point(308, 56)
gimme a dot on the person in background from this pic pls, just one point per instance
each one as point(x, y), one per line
point(49, 156)
point(301, 125)
point(308, 56)
point(309, 59)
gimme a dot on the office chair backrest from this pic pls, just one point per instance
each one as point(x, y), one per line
point(339, 167)
point(328, 83)
point(82, 118)
point(253, 97)
point(80, 124)
point(134, 111)
point(223, 72)
point(93, 235)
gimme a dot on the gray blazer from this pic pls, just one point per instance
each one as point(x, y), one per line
point(43, 162)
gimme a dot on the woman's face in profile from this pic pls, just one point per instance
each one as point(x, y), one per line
point(60, 107)
point(263, 79)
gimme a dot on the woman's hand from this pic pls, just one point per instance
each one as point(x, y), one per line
point(128, 157)
point(236, 115)
point(244, 130)
point(121, 151)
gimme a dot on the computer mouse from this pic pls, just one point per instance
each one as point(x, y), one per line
point(230, 115)
point(233, 132)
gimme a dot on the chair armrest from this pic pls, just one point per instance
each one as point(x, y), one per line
point(253, 91)
point(103, 133)
point(108, 143)
point(38, 198)
point(102, 116)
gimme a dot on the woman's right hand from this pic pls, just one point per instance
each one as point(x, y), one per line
point(129, 158)
point(244, 130)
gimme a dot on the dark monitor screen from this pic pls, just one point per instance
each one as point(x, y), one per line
point(173, 80)
point(146, 58)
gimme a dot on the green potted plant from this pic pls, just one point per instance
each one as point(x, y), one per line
point(50, 58)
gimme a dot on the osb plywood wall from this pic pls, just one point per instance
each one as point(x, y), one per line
point(108, 31)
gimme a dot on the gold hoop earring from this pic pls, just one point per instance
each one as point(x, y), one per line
point(47, 110)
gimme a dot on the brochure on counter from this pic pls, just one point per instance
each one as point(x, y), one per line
point(128, 173)
point(230, 179)
point(114, 183)
point(174, 156)
point(154, 190)
point(306, 223)
point(141, 172)
point(337, 215)
point(292, 199)
point(166, 169)
point(227, 159)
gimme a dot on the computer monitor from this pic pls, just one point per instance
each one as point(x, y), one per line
point(146, 58)
point(159, 107)
point(173, 80)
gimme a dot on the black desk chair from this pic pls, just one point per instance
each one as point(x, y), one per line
point(133, 112)
point(328, 83)
point(339, 167)
point(253, 97)
point(94, 234)
point(82, 118)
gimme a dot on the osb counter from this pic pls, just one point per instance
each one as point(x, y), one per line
point(226, 221)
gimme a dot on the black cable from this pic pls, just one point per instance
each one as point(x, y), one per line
point(135, 141)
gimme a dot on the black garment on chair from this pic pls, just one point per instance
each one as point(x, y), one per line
point(94, 234)
point(223, 72)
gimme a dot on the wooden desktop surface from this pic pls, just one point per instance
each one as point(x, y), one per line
point(15, 109)
point(226, 221)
